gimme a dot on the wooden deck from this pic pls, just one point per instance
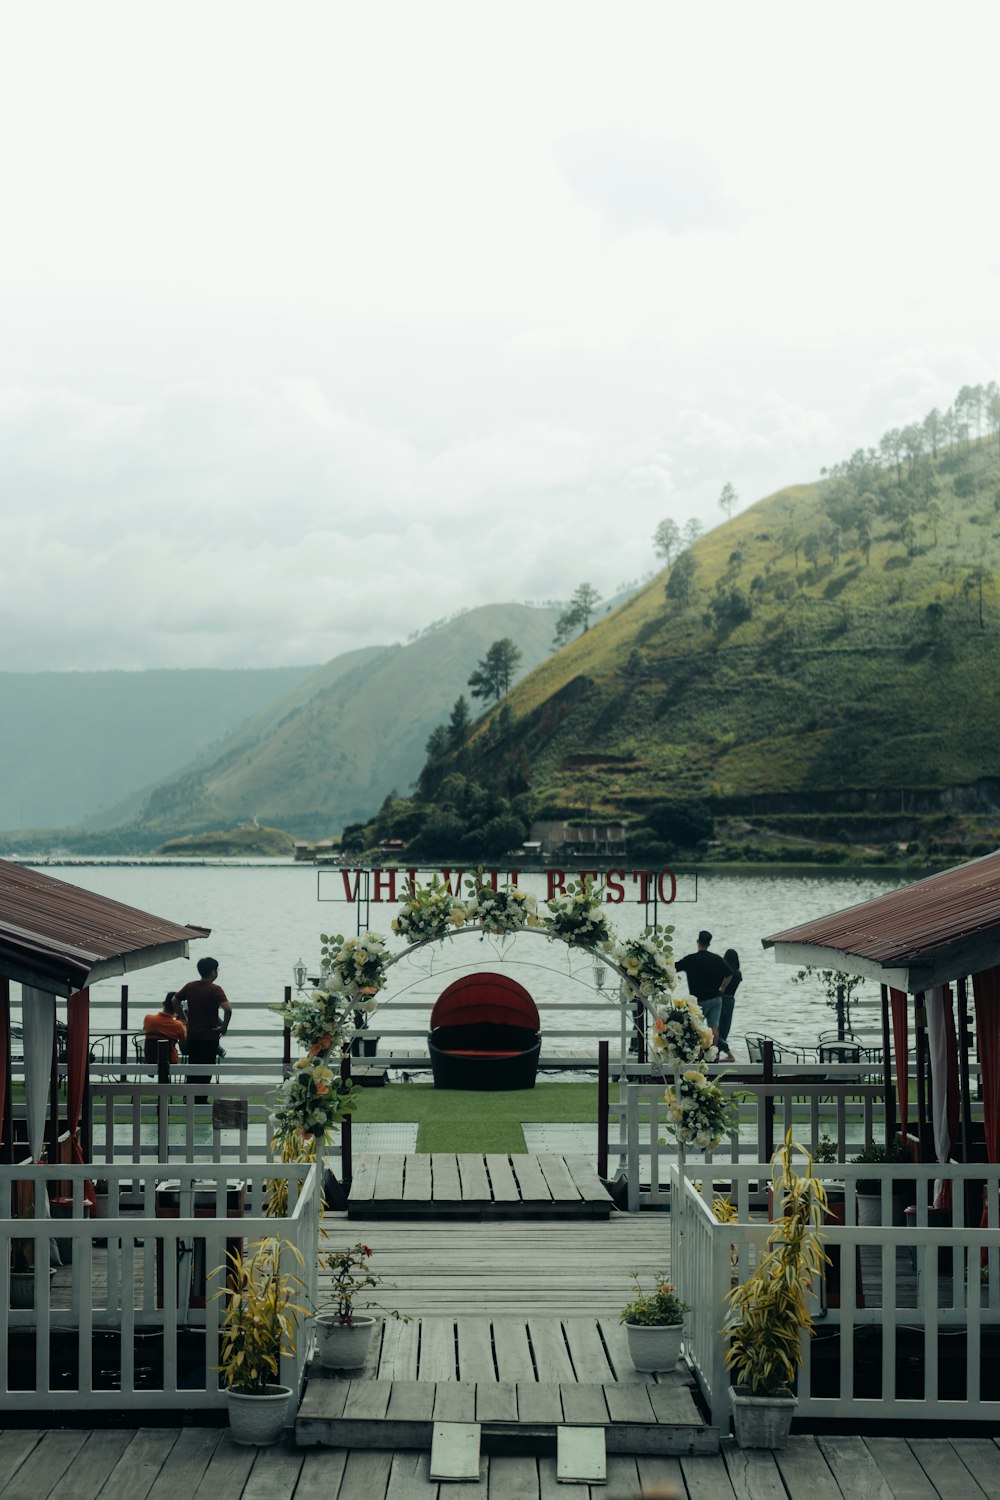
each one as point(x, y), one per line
point(443, 1185)
point(204, 1464)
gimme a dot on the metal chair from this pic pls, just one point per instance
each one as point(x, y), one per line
point(783, 1051)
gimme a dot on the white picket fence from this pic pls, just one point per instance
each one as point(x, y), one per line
point(131, 1324)
point(910, 1328)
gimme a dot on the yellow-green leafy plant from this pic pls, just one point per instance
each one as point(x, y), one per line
point(294, 1146)
point(260, 1317)
point(769, 1312)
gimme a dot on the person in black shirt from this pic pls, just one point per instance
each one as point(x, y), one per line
point(732, 958)
point(708, 978)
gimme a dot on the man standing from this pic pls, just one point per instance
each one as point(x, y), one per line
point(708, 978)
point(208, 1015)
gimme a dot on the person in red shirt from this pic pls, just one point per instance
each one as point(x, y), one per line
point(163, 1025)
point(208, 1015)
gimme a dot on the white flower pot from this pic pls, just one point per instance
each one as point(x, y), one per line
point(343, 1346)
point(258, 1420)
point(761, 1421)
point(22, 1288)
point(869, 1208)
point(654, 1346)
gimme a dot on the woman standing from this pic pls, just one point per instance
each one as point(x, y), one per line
point(732, 958)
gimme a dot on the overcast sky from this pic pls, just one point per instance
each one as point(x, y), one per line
point(322, 321)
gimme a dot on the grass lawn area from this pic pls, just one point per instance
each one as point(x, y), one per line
point(464, 1120)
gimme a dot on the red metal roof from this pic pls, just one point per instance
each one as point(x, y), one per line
point(58, 937)
point(951, 919)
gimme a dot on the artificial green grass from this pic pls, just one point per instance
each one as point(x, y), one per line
point(463, 1120)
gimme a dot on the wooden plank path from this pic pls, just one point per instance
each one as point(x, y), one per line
point(205, 1464)
point(446, 1185)
point(491, 1268)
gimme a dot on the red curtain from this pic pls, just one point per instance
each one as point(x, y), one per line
point(901, 1045)
point(77, 1060)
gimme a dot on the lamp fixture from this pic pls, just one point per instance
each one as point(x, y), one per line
point(299, 973)
point(599, 974)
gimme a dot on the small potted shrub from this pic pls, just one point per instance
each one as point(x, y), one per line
point(769, 1312)
point(343, 1329)
point(654, 1323)
point(258, 1327)
point(869, 1189)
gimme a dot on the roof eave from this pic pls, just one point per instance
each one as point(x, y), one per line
point(911, 973)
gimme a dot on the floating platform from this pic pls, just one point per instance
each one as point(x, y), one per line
point(444, 1185)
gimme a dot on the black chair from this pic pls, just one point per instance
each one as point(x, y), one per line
point(783, 1051)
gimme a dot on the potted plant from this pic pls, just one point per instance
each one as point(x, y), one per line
point(769, 1313)
point(258, 1327)
point(654, 1323)
point(343, 1331)
point(869, 1189)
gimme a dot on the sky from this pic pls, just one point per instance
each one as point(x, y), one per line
point(319, 322)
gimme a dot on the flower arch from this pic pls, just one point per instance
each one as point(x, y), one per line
point(315, 1098)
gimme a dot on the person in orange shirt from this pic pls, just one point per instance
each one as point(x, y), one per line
point(163, 1025)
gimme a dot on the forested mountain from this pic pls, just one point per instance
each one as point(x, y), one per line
point(73, 742)
point(831, 650)
point(328, 751)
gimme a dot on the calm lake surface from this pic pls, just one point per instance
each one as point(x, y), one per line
point(264, 917)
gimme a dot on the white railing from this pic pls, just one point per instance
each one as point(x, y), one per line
point(165, 1122)
point(131, 1323)
point(907, 1318)
point(849, 1113)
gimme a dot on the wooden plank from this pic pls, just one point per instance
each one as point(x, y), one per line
point(615, 1339)
point(365, 1170)
point(550, 1488)
point(496, 1401)
point(389, 1179)
point(530, 1183)
point(753, 1474)
point(623, 1475)
point(936, 1458)
point(855, 1470)
point(475, 1184)
point(548, 1347)
point(894, 1458)
point(43, 1467)
point(706, 1477)
point(455, 1451)
point(590, 1361)
point(513, 1477)
point(673, 1404)
point(982, 1461)
point(367, 1400)
point(581, 1455)
point(503, 1183)
point(475, 1349)
point(275, 1474)
point(583, 1403)
point(323, 1402)
point(658, 1474)
point(227, 1472)
point(512, 1350)
point(136, 1471)
point(186, 1463)
point(411, 1401)
point(437, 1349)
point(583, 1171)
point(14, 1449)
point(366, 1475)
point(446, 1181)
point(416, 1179)
point(398, 1354)
point(804, 1470)
point(558, 1177)
point(539, 1402)
point(92, 1465)
point(628, 1403)
point(409, 1478)
point(454, 1402)
point(321, 1473)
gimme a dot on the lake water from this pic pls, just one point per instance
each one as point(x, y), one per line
point(264, 917)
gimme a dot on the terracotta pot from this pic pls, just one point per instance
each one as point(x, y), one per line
point(654, 1346)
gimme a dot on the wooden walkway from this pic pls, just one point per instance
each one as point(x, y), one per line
point(204, 1464)
point(443, 1185)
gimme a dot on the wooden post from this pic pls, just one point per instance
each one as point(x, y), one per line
point(640, 1031)
point(603, 1104)
point(123, 1056)
point(54, 1100)
point(919, 1020)
point(286, 1040)
point(346, 1168)
point(890, 1098)
point(767, 1058)
point(964, 1048)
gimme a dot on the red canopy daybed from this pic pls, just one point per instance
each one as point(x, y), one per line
point(484, 1035)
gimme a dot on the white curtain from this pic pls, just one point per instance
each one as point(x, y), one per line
point(38, 1012)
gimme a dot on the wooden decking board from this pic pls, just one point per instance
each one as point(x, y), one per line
point(548, 1345)
point(92, 1466)
point(398, 1353)
point(437, 1350)
point(186, 1463)
point(411, 1401)
point(854, 1467)
point(275, 1474)
point(496, 1401)
point(321, 1473)
point(706, 1477)
point(558, 1178)
point(753, 1474)
point(227, 1472)
point(475, 1183)
point(583, 1403)
point(474, 1337)
point(804, 1470)
point(409, 1478)
point(512, 1350)
point(982, 1461)
point(389, 1177)
point(367, 1400)
point(366, 1475)
point(447, 1185)
point(539, 1402)
point(42, 1468)
point(417, 1183)
point(454, 1403)
point(586, 1350)
point(673, 1403)
point(628, 1404)
point(531, 1181)
point(503, 1183)
point(391, 1185)
point(909, 1482)
point(951, 1480)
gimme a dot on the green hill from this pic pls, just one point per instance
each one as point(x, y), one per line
point(833, 648)
point(327, 752)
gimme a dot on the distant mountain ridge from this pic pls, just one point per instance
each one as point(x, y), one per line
point(328, 751)
point(74, 741)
